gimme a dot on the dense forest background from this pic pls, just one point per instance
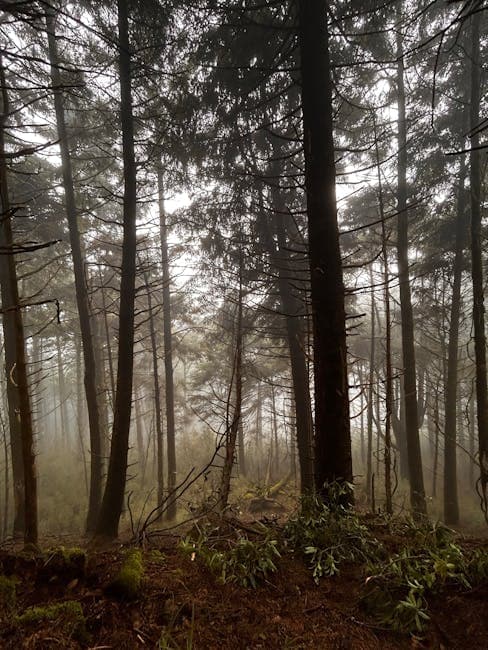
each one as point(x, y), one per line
point(174, 305)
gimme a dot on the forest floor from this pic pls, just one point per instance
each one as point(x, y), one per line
point(184, 604)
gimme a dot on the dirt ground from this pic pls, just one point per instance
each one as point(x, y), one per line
point(184, 606)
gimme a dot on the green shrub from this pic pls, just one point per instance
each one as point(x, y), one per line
point(329, 534)
point(247, 562)
point(396, 589)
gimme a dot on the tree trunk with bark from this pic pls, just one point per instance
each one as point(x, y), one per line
point(477, 265)
point(19, 404)
point(82, 302)
point(417, 491)
point(113, 498)
point(451, 505)
point(332, 426)
point(168, 353)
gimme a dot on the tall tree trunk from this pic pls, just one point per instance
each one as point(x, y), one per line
point(113, 498)
point(157, 396)
point(451, 505)
point(20, 414)
point(293, 309)
point(333, 460)
point(369, 418)
point(417, 491)
point(96, 465)
point(235, 392)
point(477, 265)
point(168, 352)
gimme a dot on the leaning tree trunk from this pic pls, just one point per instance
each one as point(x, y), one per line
point(82, 301)
point(477, 265)
point(168, 353)
point(451, 505)
point(417, 491)
point(113, 498)
point(20, 414)
point(333, 460)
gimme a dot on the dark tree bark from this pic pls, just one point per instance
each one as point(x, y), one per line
point(332, 426)
point(168, 353)
point(417, 491)
point(96, 465)
point(477, 265)
point(113, 498)
point(451, 505)
point(19, 404)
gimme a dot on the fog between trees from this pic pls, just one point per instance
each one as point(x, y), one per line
point(242, 246)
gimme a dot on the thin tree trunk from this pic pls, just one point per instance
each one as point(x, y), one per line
point(20, 414)
point(451, 505)
point(417, 491)
point(79, 413)
point(96, 466)
point(333, 460)
point(477, 265)
point(369, 417)
point(157, 397)
point(233, 425)
point(292, 308)
point(113, 498)
point(168, 352)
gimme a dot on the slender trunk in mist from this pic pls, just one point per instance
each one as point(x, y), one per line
point(141, 452)
point(79, 412)
point(451, 505)
point(259, 430)
point(293, 310)
point(417, 491)
point(435, 463)
point(235, 392)
point(388, 364)
point(333, 460)
point(107, 342)
point(6, 494)
point(63, 398)
point(241, 454)
point(19, 404)
point(477, 265)
point(369, 418)
point(168, 352)
point(96, 466)
point(113, 498)
point(157, 396)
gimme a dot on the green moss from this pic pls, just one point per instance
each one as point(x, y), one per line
point(8, 592)
point(128, 582)
point(68, 614)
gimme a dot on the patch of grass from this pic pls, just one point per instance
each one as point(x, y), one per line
point(8, 592)
point(127, 584)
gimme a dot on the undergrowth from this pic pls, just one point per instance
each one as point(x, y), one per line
point(397, 588)
point(330, 534)
point(246, 562)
